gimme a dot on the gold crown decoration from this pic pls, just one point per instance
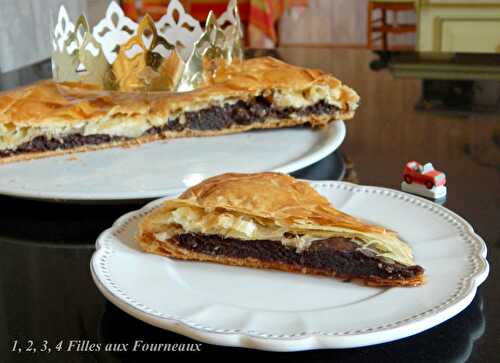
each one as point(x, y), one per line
point(217, 47)
point(173, 54)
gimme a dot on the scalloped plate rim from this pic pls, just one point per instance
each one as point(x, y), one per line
point(311, 340)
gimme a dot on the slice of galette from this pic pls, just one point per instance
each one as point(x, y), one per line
point(273, 221)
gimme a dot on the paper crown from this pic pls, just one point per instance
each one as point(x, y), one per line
point(172, 54)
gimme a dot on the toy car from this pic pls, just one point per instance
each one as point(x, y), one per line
point(423, 174)
point(423, 180)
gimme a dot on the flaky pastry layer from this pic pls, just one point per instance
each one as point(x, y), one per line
point(267, 206)
point(317, 120)
point(55, 110)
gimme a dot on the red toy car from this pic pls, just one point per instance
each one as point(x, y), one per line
point(423, 174)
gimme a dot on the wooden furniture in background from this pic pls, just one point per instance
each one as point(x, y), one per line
point(459, 26)
point(379, 29)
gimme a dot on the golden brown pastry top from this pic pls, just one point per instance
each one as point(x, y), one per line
point(268, 206)
point(275, 196)
point(47, 102)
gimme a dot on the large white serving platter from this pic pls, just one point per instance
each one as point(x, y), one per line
point(165, 167)
point(280, 311)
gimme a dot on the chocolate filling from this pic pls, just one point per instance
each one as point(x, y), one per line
point(42, 143)
point(337, 254)
point(213, 118)
point(239, 113)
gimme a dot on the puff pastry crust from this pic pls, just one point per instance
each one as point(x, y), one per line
point(271, 220)
point(50, 118)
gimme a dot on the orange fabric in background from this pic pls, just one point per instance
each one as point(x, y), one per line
point(259, 14)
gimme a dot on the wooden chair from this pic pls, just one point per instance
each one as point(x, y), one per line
point(380, 28)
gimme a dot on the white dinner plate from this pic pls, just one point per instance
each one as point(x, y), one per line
point(163, 168)
point(281, 311)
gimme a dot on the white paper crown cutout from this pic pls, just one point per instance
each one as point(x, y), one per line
point(119, 53)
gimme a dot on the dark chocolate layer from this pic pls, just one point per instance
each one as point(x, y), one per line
point(239, 113)
point(42, 143)
point(337, 254)
point(213, 118)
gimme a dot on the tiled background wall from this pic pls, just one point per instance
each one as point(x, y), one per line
point(334, 22)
